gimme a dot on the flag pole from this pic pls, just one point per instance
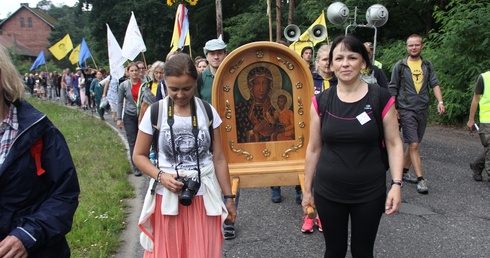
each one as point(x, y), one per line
point(94, 62)
point(190, 51)
point(47, 76)
point(144, 59)
point(270, 18)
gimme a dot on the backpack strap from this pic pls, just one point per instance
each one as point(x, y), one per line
point(373, 91)
point(322, 100)
point(209, 118)
point(156, 111)
point(401, 75)
point(374, 97)
point(156, 122)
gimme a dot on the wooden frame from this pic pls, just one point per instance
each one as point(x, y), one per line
point(264, 134)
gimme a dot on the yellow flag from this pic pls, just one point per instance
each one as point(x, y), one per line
point(181, 36)
point(306, 40)
point(62, 48)
point(74, 55)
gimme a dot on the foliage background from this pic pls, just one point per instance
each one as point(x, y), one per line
point(456, 38)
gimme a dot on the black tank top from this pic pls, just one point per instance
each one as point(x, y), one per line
point(350, 169)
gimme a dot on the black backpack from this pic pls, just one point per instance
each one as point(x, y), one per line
point(324, 98)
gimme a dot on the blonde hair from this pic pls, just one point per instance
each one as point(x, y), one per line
point(157, 64)
point(13, 86)
point(323, 50)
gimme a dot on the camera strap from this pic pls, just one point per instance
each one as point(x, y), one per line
point(195, 131)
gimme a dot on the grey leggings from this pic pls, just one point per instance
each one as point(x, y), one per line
point(130, 123)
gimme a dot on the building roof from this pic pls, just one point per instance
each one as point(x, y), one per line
point(37, 12)
point(16, 46)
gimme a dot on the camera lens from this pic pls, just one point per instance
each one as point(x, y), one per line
point(190, 188)
point(186, 197)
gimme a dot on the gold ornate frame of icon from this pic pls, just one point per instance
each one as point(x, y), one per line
point(264, 163)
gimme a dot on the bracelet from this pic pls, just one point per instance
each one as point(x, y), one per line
point(441, 102)
point(159, 175)
point(229, 196)
point(400, 183)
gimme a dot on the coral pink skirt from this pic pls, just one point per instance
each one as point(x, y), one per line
point(191, 234)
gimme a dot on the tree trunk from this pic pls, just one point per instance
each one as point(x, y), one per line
point(278, 20)
point(219, 19)
point(291, 11)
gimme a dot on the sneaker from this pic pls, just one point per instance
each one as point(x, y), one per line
point(422, 187)
point(476, 173)
point(299, 196)
point(319, 224)
point(276, 194)
point(307, 225)
point(137, 172)
point(408, 178)
point(229, 231)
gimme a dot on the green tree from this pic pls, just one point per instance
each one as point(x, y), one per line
point(459, 50)
point(250, 26)
point(44, 4)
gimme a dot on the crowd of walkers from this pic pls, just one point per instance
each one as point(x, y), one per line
point(84, 88)
point(68, 87)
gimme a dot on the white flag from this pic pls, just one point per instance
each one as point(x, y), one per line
point(116, 59)
point(133, 41)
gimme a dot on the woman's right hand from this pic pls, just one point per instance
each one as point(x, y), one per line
point(169, 182)
point(119, 124)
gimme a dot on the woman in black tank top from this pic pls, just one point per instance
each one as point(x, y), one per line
point(343, 160)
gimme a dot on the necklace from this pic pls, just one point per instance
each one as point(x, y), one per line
point(182, 112)
point(185, 122)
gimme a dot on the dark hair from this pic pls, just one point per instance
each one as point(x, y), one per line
point(282, 42)
point(304, 49)
point(180, 64)
point(102, 70)
point(351, 43)
point(201, 60)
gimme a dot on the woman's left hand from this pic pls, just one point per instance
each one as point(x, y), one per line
point(394, 200)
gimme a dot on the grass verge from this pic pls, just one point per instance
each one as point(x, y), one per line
point(101, 162)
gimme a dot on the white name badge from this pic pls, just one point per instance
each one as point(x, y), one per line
point(363, 118)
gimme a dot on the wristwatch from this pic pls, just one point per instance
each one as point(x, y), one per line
point(229, 196)
point(400, 183)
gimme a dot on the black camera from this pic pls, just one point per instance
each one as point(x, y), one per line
point(190, 188)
